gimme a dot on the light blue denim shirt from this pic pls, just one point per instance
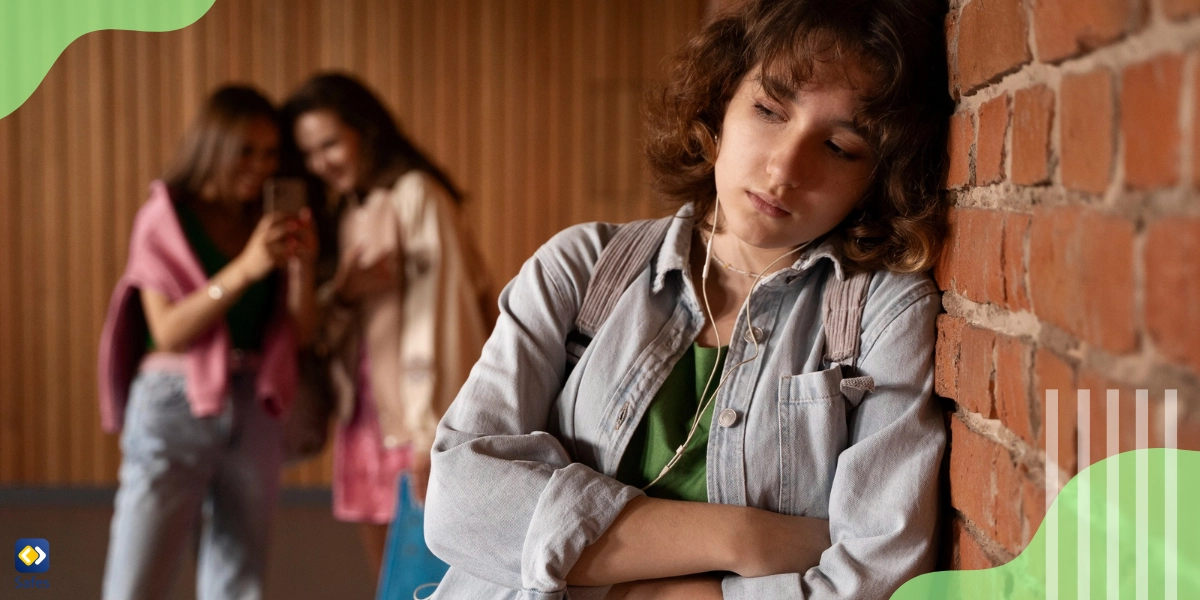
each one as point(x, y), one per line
point(524, 460)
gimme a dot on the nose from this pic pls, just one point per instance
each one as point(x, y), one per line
point(785, 165)
point(316, 164)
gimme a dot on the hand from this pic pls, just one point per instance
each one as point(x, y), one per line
point(419, 475)
point(354, 281)
point(693, 587)
point(302, 237)
point(772, 544)
point(266, 249)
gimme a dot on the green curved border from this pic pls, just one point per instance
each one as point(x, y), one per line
point(33, 33)
point(1025, 577)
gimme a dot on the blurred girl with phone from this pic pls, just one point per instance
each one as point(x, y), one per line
point(197, 358)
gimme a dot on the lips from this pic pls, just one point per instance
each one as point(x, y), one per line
point(768, 207)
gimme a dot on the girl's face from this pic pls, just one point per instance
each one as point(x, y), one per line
point(332, 150)
point(258, 161)
point(788, 172)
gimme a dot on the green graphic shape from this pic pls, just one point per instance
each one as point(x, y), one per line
point(1160, 472)
point(33, 33)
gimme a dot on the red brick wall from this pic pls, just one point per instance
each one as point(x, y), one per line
point(1074, 257)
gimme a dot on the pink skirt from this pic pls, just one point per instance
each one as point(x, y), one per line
point(365, 473)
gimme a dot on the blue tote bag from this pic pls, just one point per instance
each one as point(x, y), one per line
point(408, 565)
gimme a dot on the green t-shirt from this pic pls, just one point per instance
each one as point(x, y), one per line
point(247, 318)
point(665, 426)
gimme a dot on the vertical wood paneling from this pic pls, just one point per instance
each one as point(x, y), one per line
point(79, 344)
point(11, 403)
point(102, 264)
point(54, 246)
point(31, 288)
point(532, 106)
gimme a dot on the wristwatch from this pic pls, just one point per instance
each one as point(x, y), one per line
point(216, 291)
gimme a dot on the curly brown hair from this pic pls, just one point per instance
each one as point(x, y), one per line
point(901, 221)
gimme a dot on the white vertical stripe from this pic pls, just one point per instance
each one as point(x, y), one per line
point(1171, 491)
point(1112, 567)
point(1051, 425)
point(1083, 500)
point(1143, 496)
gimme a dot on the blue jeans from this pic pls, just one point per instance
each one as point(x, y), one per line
point(217, 477)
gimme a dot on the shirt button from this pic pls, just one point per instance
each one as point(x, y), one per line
point(758, 335)
point(727, 417)
point(390, 442)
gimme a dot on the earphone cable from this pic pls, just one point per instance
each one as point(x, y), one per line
point(707, 400)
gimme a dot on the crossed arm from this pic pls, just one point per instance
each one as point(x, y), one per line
point(665, 547)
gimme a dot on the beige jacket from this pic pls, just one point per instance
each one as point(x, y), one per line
point(423, 337)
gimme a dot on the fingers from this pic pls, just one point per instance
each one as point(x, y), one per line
point(271, 219)
point(301, 237)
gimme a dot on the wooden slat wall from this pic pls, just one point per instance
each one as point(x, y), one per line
point(532, 105)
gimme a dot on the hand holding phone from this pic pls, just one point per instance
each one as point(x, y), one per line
point(286, 195)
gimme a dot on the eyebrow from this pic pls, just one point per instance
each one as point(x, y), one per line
point(846, 124)
point(849, 125)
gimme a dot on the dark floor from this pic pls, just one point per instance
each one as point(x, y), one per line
point(312, 556)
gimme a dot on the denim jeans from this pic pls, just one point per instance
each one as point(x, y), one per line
point(214, 477)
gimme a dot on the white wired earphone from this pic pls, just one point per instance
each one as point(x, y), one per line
point(708, 312)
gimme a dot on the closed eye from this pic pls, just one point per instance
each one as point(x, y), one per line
point(766, 114)
point(840, 152)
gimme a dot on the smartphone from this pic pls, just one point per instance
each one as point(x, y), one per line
point(285, 194)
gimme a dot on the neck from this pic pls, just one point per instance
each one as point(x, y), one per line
point(739, 258)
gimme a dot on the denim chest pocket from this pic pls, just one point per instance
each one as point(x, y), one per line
point(812, 433)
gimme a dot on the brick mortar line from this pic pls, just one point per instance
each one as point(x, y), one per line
point(1116, 175)
point(1006, 147)
point(1022, 453)
point(997, 553)
point(1146, 370)
point(1136, 205)
point(1187, 133)
point(1156, 38)
point(1147, 357)
point(1019, 324)
point(1030, 36)
point(1141, 369)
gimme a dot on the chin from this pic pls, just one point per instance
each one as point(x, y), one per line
point(763, 232)
point(343, 186)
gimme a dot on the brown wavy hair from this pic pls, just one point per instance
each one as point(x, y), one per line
point(388, 152)
point(901, 221)
point(209, 152)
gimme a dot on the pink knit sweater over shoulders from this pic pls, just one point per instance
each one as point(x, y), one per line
point(160, 259)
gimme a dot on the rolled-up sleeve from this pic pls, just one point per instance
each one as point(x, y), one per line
point(883, 503)
point(506, 503)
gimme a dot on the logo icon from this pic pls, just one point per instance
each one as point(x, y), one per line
point(32, 555)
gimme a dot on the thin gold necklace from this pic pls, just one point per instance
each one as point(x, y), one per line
point(729, 267)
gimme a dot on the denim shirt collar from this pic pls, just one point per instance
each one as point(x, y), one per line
point(673, 254)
